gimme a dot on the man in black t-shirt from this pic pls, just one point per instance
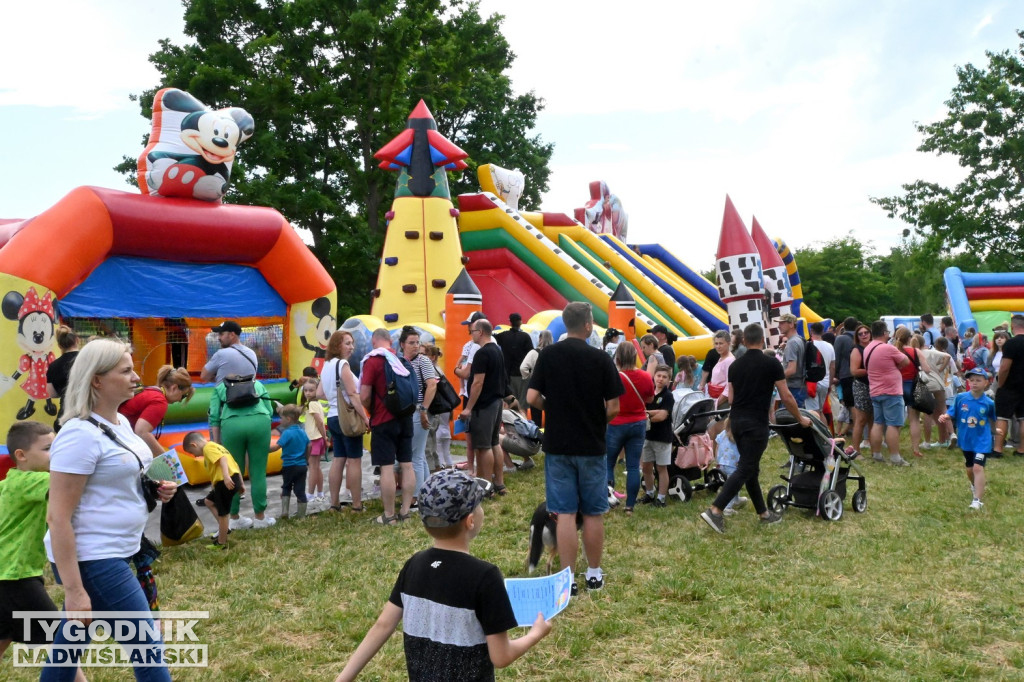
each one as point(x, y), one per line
point(1010, 382)
point(487, 386)
point(578, 388)
point(515, 344)
point(752, 378)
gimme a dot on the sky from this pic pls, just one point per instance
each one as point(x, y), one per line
point(799, 111)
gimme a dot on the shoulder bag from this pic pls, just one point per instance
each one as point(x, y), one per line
point(647, 414)
point(240, 391)
point(352, 423)
point(922, 399)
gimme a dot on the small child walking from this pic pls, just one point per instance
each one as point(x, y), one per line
point(316, 432)
point(728, 458)
point(459, 611)
point(972, 412)
point(293, 442)
point(23, 499)
point(225, 477)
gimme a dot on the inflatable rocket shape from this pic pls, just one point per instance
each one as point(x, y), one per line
point(739, 271)
point(462, 300)
point(422, 254)
point(422, 156)
point(778, 293)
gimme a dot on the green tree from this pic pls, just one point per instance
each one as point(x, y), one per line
point(983, 128)
point(329, 82)
point(839, 279)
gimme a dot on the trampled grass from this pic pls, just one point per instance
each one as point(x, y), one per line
point(918, 587)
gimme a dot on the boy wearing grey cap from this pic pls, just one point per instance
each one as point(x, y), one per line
point(455, 611)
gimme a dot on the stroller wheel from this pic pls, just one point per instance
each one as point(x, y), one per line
point(680, 487)
point(778, 497)
point(831, 505)
point(714, 479)
point(860, 501)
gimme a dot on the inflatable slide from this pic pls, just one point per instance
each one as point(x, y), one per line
point(983, 300)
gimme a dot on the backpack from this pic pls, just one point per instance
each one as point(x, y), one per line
point(445, 398)
point(814, 363)
point(400, 393)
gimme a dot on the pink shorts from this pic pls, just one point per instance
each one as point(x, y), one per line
point(317, 447)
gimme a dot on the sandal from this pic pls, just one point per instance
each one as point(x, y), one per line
point(356, 510)
point(403, 517)
point(385, 520)
point(501, 490)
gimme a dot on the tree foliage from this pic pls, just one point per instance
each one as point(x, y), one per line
point(984, 129)
point(329, 82)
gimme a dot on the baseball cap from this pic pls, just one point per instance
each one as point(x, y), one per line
point(474, 317)
point(228, 326)
point(787, 317)
point(976, 371)
point(449, 496)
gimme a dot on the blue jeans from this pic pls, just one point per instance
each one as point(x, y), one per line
point(419, 453)
point(630, 437)
point(112, 586)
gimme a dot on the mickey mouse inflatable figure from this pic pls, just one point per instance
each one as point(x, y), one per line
point(191, 148)
point(35, 317)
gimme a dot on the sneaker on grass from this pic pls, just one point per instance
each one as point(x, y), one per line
point(898, 461)
point(716, 521)
point(977, 504)
point(265, 522)
point(772, 518)
point(595, 584)
point(241, 523)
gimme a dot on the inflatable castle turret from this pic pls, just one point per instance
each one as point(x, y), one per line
point(778, 294)
point(739, 271)
point(422, 255)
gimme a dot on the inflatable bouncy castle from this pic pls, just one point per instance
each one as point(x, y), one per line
point(159, 270)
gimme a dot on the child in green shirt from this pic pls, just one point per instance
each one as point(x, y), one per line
point(23, 499)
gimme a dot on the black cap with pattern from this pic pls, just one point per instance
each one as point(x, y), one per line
point(449, 496)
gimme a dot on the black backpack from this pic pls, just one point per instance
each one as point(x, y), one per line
point(814, 363)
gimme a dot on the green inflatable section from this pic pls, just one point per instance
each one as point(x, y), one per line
point(195, 410)
point(989, 319)
point(499, 238)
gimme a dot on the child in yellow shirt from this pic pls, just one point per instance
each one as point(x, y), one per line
point(225, 476)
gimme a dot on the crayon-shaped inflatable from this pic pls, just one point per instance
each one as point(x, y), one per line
point(739, 271)
point(778, 293)
point(462, 300)
point(622, 312)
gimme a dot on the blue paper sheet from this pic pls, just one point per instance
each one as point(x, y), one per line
point(548, 595)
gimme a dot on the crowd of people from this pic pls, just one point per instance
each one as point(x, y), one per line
point(598, 407)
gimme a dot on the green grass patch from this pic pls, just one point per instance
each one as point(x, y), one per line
point(918, 587)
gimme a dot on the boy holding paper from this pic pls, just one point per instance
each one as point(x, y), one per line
point(446, 591)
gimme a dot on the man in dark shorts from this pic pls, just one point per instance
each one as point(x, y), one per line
point(578, 388)
point(752, 379)
point(1010, 382)
point(487, 386)
point(390, 436)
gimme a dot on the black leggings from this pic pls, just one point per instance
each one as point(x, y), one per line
point(751, 441)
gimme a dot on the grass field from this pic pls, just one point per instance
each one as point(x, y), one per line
point(918, 587)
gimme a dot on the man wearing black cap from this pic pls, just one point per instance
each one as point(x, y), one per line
point(665, 340)
point(515, 344)
point(232, 358)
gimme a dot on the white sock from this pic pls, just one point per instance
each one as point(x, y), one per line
point(650, 493)
point(661, 498)
point(594, 573)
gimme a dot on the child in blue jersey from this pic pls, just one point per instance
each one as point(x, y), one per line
point(973, 412)
point(293, 442)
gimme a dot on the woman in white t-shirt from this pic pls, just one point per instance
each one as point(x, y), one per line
point(348, 450)
point(97, 509)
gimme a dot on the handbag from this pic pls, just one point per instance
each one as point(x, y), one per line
point(240, 391)
point(647, 415)
point(352, 423)
point(445, 398)
point(922, 399)
point(715, 390)
point(179, 522)
point(149, 486)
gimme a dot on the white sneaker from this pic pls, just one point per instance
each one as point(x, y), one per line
point(728, 511)
point(241, 523)
point(265, 522)
point(739, 502)
point(865, 445)
point(977, 504)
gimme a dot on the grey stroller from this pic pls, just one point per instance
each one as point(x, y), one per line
point(813, 455)
point(692, 414)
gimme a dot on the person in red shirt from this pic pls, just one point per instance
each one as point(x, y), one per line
point(147, 409)
point(629, 428)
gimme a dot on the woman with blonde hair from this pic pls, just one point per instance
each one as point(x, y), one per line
point(98, 508)
point(146, 411)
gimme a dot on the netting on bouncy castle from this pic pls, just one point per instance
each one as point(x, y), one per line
point(184, 342)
